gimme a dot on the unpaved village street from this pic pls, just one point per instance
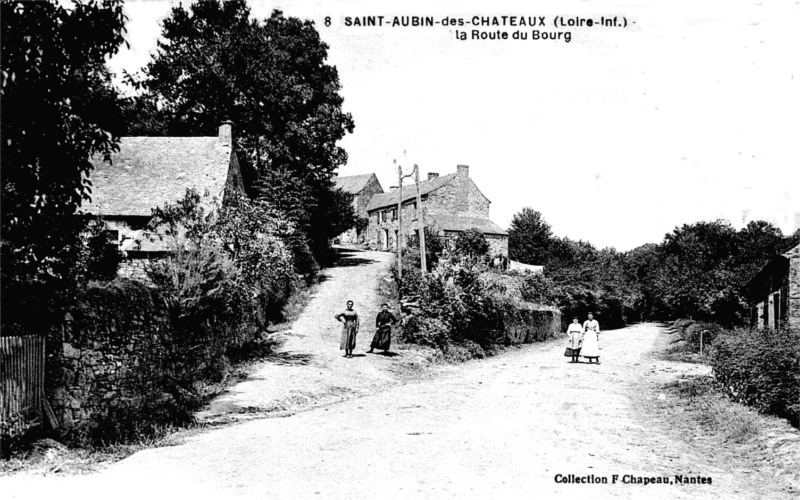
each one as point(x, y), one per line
point(504, 427)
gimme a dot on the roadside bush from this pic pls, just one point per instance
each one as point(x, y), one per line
point(131, 422)
point(463, 307)
point(760, 369)
point(14, 433)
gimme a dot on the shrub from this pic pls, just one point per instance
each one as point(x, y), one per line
point(760, 369)
point(472, 244)
point(14, 432)
point(132, 422)
point(466, 308)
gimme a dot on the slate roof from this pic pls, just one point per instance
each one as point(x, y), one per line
point(458, 223)
point(391, 198)
point(352, 184)
point(151, 171)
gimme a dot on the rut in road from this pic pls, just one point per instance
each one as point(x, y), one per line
point(308, 368)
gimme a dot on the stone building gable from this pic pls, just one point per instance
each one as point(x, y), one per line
point(451, 204)
point(458, 197)
point(363, 197)
point(363, 188)
point(793, 292)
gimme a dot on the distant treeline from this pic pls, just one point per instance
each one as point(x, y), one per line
point(697, 271)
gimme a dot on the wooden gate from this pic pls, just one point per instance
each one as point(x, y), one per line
point(21, 377)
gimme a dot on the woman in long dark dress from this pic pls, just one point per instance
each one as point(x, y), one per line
point(349, 330)
point(383, 334)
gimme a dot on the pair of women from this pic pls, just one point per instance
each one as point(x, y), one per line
point(383, 334)
point(583, 340)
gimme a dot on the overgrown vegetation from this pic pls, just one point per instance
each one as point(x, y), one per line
point(232, 270)
point(696, 272)
point(716, 415)
point(270, 77)
point(461, 306)
point(760, 369)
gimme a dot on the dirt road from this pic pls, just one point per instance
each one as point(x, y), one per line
point(499, 428)
point(308, 369)
point(513, 426)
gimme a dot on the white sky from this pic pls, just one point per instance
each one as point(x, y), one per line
point(616, 137)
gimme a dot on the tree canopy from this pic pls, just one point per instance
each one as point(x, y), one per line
point(270, 77)
point(529, 237)
point(697, 271)
point(58, 109)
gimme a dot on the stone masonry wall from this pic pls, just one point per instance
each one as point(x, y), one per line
point(372, 188)
point(133, 269)
point(113, 348)
point(794, 289)
point(498, 245)
point(459, 197)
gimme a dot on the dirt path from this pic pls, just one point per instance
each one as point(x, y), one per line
point(499, 428)
point(308, 369)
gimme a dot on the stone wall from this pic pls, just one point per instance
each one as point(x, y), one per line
point(117, 347)
point(498, 245)
point(458, 197)
point(372, 188)
point(134, 269)
point(524, 323)
point(793, 302)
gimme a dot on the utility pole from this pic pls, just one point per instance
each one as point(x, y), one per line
point(420, 223)
point(400, 223)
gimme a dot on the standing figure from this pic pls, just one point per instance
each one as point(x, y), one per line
point(350, 319)
point(593, 325)
point(574, 334)
point(383, 334)
point(591, 339)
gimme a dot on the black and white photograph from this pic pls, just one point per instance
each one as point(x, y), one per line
point(346, 249)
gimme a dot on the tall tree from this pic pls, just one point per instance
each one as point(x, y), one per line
point(529, 237)
point(57, 111)
point(270, 77)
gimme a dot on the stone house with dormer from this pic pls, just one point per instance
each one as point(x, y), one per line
point(149, 172)
point(451, 204)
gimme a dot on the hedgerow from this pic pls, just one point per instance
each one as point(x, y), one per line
point(760, 369)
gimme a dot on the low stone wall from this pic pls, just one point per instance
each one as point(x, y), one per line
point(116, 347)
point(133, 269)
point(523, 322)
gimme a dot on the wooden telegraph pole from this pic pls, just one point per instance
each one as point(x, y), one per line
point(400, 223)
point(420, 221)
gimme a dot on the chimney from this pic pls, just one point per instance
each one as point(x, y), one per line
point(432, 175)
point(463, 170)
point(226, 133)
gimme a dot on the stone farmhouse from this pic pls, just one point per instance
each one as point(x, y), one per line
point(451, 204)
point(774, 293)
point(363, 188)
point(149, 172)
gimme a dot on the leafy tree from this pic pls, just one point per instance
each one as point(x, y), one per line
point(434, 247)
point(472, 243)
point(271, 79)
point(529, 237)
point(57, 111)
